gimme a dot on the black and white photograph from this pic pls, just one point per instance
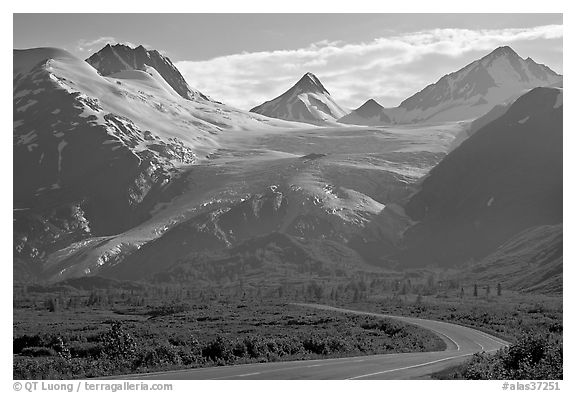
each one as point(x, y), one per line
point(286, 196)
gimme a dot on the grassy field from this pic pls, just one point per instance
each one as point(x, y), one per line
point(508, 316)
point(89, 329)
point(531, 323)
point(81, 335)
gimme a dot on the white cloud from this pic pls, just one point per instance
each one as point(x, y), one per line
point(388, 68)
point(90, 46)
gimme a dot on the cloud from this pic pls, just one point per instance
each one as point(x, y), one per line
point(91, 46)
point(387, 68)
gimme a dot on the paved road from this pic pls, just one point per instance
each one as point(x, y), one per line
point(461, 343)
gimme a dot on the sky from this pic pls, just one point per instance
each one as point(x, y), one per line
point(246, 59)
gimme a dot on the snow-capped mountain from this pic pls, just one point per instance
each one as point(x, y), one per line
point(93, 154)
point(113, 59)
point(470, 92)
point(369, 113)
point(307, 101)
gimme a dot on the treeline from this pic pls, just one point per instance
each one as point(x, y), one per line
point(352, 290)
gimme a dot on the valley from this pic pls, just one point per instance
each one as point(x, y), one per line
point(156, 228)
point(341, 176)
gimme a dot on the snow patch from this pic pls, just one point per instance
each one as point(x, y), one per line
point(61, 147)
point(28, 105)
point(32, 146)
point(21, 93)
point(27, 138)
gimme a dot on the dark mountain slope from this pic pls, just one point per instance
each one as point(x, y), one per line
point(505, 178)
point(531, 261)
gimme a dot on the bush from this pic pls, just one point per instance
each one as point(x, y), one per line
point(159, 355)
point(338, 345)
point(289, 346)
point(38, 351)
point(387, 327)
point(85, 350)
point(239, 350)
point(19, 343)
point(48, 368)
point(168, 309)
point(117, 343)
point(531, 357)
point(316, 345)
point(188, 357)
point(218, 349)
point(255, 347)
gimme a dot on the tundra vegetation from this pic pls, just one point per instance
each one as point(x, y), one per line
point(95, 327)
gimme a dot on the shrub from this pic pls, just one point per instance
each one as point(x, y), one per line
point(239, 350)
point(117, 342)
point(168, 309)
point(48, 368)
point(255, 347)
point(289, 346)
point(533, 356)
point(19, 343)
point(338, 345)
point(218, 349)
point(159, 355)
point(60, 347)
point(85, 350)
point(316, 345)
point(38, 351)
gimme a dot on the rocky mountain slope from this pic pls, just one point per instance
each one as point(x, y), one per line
point(113, 59)
point(307, 101)
point(274, 255)
point(93, 154)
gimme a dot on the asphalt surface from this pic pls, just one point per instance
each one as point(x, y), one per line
point(461, 342)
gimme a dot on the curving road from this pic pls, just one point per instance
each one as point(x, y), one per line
point(461, 342)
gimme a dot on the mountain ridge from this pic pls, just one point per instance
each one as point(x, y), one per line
point(113, 59)
point(469, 92)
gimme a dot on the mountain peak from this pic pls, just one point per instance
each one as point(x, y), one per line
point(371, 103)
point(309, 83)
point(502, 51)
point(369, 108)
point(476, 88)
point(119, 57)
point(369, 113)
point(307, 101)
